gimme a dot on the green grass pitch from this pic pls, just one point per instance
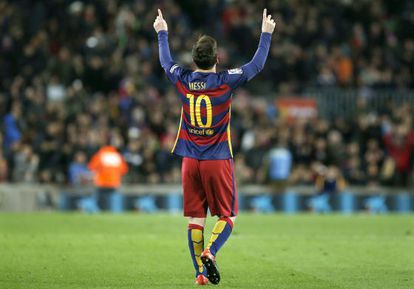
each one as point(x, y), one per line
point(55, 250)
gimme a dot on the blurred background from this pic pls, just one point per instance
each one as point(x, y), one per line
point(327, 126)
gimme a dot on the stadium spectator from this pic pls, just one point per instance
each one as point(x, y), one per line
point(399, 145)
point(3, 170)
point(134, 158)
point(328, 182)
point(353, 169)
point(108, 167)
point(280, 164)
point(77, 73)
point(25, 164)
point(12, 133)
point(79, 174)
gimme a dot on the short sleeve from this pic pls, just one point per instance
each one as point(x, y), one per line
point(235, 77)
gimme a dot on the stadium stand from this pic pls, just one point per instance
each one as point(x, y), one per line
point(76, 75)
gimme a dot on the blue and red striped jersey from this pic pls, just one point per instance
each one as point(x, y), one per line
point(204, 129)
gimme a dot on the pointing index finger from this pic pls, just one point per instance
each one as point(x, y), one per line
point(264, 13)
point(160, 14)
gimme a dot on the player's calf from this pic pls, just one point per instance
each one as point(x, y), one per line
point(221, 232)
point(196, 246)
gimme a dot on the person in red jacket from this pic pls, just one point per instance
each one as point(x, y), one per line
point(399, 144)
point(108, 167)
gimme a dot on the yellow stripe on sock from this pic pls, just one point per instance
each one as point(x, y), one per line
point(197, 238)
point(218, 228)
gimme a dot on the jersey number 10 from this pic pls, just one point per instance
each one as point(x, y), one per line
point(195, 110)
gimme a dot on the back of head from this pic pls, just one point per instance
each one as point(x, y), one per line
point(205, 52)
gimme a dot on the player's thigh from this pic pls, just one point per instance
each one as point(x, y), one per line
point(220, 186)
point(194, 197)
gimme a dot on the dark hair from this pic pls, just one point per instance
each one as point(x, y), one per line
point(205, 52)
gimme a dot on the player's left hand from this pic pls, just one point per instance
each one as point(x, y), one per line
point(160, 23)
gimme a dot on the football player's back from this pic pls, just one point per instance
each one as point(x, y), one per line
point(205, 120)
point(204, 130)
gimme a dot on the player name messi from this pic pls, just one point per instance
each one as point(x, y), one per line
point(197, 85)
point(207, 132)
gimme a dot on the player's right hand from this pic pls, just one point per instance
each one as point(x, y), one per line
point(160, 23)
point(268, 24)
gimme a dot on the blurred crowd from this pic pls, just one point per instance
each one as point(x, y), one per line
point(78, 75)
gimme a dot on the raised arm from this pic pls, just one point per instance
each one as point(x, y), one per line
point(161, 27)
point(257, 63)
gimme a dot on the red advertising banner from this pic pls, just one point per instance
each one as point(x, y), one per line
point(292, 108)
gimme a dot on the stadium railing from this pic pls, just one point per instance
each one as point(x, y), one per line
point(334, 102)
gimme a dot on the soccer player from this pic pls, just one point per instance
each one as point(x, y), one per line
point(204, 142)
